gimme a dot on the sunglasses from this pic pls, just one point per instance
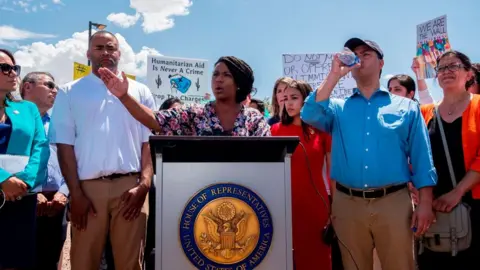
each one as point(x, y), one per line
point(7, 69)
point(51, 85)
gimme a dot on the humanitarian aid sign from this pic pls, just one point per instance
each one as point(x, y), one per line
point(186, 79)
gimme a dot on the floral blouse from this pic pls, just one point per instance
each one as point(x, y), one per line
point(201, 120)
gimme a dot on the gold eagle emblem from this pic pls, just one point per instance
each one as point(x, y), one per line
point(226, 234)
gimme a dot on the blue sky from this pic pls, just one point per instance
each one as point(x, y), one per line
point(258, 31)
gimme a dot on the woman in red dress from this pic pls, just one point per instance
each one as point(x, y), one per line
point(310, 207)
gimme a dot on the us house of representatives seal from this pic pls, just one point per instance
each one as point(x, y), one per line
point(226, 227)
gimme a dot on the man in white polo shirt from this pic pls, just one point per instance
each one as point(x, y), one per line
point(105, 157)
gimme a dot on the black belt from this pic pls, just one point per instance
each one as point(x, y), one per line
point(370, 193)
point(118, 175)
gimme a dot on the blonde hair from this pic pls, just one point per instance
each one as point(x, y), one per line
point(275, 106)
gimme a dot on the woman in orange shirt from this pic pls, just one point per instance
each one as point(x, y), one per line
point(460, 115)
point(310, 210)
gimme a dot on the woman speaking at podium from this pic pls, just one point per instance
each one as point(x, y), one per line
point(232, 82)
point(309, 194)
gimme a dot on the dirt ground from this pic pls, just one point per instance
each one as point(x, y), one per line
point(65, 260)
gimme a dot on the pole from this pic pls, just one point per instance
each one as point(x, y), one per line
point(89, 36)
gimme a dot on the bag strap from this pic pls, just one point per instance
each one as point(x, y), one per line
point(445, 147)
point(453, 214)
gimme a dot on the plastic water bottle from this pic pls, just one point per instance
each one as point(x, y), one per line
point(348, 57)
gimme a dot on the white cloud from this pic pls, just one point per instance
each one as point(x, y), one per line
point(9, 34)
point(23, 4)
point(157, 15)
point(58, 58)
point(123, 20)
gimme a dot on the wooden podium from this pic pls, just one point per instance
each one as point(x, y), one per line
point(223, 202)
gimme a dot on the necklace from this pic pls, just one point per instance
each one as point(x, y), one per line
point(455, 104)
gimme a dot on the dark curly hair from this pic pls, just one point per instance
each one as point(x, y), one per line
point(242, 75)
point(260, 104)
point(169, 102)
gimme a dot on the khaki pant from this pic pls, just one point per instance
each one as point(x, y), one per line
point(384, 223)
point(127, 238)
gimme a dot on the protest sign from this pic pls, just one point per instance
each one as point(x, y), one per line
point(81, 70)
point(432, 42)
point(186, 79)
point(314, 68)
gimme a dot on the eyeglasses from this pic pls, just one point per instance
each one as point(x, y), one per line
point(7, 69)
point(452, 68)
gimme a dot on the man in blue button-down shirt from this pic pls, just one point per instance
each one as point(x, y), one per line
point(375, 136)
point(40, 88)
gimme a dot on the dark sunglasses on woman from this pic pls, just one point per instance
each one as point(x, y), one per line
point(7, 69)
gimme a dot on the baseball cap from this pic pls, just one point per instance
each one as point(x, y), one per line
point(355, 42)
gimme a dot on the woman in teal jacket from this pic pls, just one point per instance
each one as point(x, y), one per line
point(21, 134)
